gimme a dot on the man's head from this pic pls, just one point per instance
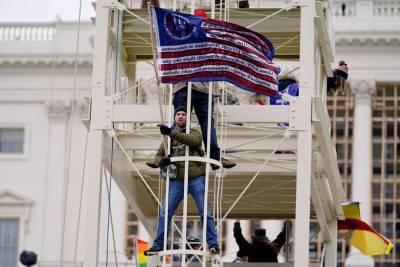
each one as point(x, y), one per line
point(260, 232)
point(180, 117)
point(259, 235)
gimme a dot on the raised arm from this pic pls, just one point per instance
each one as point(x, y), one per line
point(281, 238)
point(244, 246)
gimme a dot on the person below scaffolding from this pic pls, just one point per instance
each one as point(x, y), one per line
point(196, 183)
point(261, 249)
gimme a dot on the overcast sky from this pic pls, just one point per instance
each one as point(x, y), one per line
point(43, 10)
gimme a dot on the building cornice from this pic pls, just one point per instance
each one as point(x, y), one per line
point(40, 63)
point(351, 41)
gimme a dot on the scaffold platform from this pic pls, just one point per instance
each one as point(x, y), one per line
point(286, 161)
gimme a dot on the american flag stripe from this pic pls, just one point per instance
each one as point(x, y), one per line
point(227, 76)
point(240, 44)
point(215, 70)
point(173, 58)
point(248, 35)
point(255, 38)
point(192, 48)
point(219, 49)
point(195, 64)
point(236, 39)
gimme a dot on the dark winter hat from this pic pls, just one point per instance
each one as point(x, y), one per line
point(341, 73)
point(181, 108)
point(28, 258)
point(259, 232)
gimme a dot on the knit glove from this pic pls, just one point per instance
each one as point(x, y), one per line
point(165, 161)
point(236, 227)
point(287, 225)
point(165, 130)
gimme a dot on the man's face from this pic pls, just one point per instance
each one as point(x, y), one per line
point(180, 119)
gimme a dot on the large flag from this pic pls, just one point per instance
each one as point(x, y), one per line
point(361, 235)
point(141, 246)
point(197, 49)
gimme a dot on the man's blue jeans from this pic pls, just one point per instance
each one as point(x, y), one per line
point(200, 105)
point(175, 196)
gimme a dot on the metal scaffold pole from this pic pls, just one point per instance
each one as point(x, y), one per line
point(95, 137)
point(304, 136)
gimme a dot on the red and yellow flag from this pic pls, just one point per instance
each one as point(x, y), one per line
point(361, 235)
point(142, 260)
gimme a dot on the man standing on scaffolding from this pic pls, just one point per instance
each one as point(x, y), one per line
point(200, 104)
point(176, 173)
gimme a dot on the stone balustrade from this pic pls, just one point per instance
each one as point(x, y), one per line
point(27, 32)
point(375, 8)
point(386, 8)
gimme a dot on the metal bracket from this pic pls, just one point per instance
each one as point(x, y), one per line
point(101, 113)
point(85, 113)
point(300, 113)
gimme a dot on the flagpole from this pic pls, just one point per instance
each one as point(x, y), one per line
point(136, 251)
point(153, 49)
point(164, 137)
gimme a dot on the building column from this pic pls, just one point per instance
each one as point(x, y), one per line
point(55, 182)
point(362, 160)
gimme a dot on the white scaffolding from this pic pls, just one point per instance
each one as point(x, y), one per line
point(282, 172)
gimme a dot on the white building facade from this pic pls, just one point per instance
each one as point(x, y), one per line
point(44, 77)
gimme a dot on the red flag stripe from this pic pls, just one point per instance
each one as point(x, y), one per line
point(355, 224)
point(217, 63)
point(214, 70)
point(250, 86)
point(233, 39)
point(255, 37)
point(216, 51)
point(240, 47)
point(213, 43)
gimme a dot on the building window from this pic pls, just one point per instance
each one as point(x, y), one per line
point(386, 177)
point(9, 230)
point(131, 232)
point(12, 140)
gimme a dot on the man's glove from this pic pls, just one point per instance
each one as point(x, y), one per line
point(236, 227)
point(287, 225)
point(165, 161)
point(165, 130)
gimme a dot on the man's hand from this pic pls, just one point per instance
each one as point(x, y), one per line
point(165, 162)
point(287, 225)
point(164, 129)
point(236, 227)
